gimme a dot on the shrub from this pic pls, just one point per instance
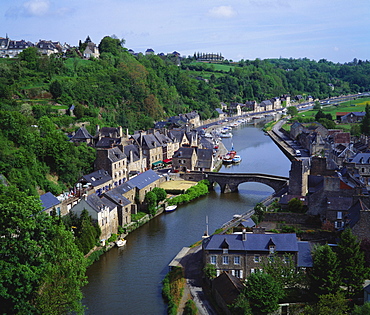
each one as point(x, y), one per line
point(112, 238)
point(190, 308)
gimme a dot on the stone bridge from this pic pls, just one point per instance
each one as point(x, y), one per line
point(229, 182)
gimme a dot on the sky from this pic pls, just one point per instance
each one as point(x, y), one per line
point(335, 30)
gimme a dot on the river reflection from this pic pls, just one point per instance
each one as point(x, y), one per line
point(128, 280)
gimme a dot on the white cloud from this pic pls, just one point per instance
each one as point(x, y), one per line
point(222, 12)
point(36, 7)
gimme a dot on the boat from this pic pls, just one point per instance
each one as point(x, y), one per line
point(170, 208)
point(237, 159)
point(226, 135)
point(121, 242)
point(228, 157)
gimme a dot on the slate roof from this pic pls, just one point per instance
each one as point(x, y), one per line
point(48, 201)
point(97, 203)
point(228, 287)
point(284, 242)
point(339, 203)
point(107, 142)
point(82, 134)
point(304, 254)
point(184, 152)
point(115, 154)
point(354, 212)
point(144, 179)
point(135, 152)
point(97, 178)
point(115, 195)
point(361, 158)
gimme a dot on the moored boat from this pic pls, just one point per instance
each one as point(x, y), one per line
point(170, 208)
point(121, 242)
point(237, 159)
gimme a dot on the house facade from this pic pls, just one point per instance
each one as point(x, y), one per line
point(242, 254)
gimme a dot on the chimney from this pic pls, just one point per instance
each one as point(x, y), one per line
point(97, 129)
point(244, 235)
point(120, 132)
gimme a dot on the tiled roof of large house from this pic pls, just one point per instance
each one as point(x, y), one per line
point(144, 179)
point(284, 242)
point(48, 201)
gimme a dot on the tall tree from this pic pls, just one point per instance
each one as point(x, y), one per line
point(365, 124)
point(351, 262)
point(324, 276)
point(38, 259)
point(263, 293)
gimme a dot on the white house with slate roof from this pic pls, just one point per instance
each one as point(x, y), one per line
point(97, 182)
point(50, 203)
point(102, 210)
point(242, 254)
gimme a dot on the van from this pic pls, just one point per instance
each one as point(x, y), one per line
point(298, 153)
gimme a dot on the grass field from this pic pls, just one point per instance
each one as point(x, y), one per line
point(177, 184)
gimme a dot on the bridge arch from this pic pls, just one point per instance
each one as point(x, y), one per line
point(229, 182)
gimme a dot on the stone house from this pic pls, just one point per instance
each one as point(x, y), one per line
point(242, 254)
point(358, 219)
point(205, 161)
point(124, 198)
point(114, 161)
point(47, 47)
point(266, 106)
point(252, 106)
point(151, 148)
point(185, 159)
point(138, 186)
point(184, 138)
point(353, 117)
point(235, 108)
point(361, 163)
point(102, 210)
point(11, 48)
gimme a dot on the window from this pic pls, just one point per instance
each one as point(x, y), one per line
point(286, 259)
point(338, 224)
point(236, 260)
point(225, 260)
point(238, 273)
point(225, 251)
point(272, 249)
point(339, 215)
point(253, 270)
point(256, 258)
point(271, 259)
point(213, 260)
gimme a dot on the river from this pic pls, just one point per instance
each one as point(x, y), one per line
point(128, 280)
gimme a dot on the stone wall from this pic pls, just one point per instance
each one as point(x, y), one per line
point(292, 218)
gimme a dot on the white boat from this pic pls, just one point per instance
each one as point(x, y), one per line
point(170, 208)
point(226, 135)
point(121, 242)
point(237, 159)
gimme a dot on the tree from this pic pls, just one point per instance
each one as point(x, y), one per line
point(240, 306)
point(292, 111)
point(56, 89)
point(111, 45)
point(160, 193)
point(283, 270)
point(210, 271)
point(263, 293)
point(296, 205)
point(365, 124)
point(39, 261)
point(324, 276)
point(329, 304)
point(362, 310)
point(151, 201)
point(351, 262)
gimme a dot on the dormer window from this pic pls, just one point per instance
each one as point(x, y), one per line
point(272, 249)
